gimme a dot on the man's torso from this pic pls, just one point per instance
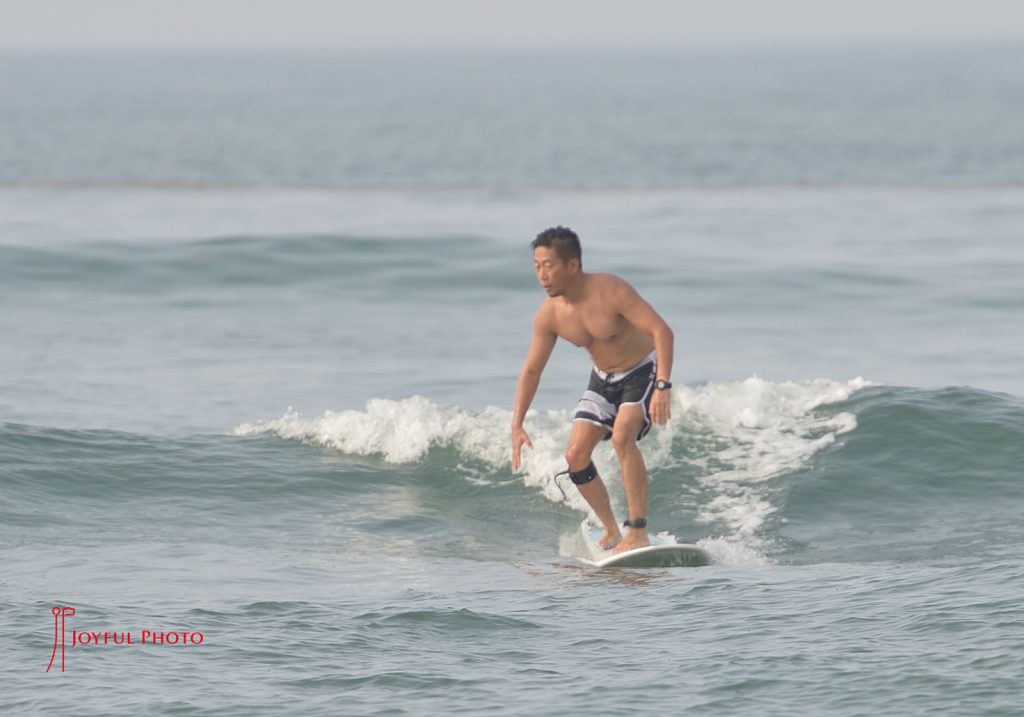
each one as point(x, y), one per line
point(592, 323)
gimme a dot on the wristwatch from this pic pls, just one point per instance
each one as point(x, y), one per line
point(661, 384)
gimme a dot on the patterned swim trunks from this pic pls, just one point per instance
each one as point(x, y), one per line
point(607, 392)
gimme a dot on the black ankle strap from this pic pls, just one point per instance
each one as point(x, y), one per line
point(635, 523)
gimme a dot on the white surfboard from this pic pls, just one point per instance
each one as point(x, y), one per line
point(661, 553)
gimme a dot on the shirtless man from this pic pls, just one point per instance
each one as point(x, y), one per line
point(631, 346)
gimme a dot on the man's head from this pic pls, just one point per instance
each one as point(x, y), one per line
point(563, 240)
point(557, 259)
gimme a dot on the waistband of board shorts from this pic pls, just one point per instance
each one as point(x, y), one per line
point(619, 375)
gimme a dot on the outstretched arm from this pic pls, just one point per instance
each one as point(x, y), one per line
point(541, 345)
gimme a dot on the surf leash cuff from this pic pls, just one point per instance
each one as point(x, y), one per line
point(584, 476)
point(635, 523)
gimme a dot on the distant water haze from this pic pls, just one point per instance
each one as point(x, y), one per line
point(566, 23)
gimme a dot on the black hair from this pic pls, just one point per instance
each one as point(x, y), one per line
point(563, 240)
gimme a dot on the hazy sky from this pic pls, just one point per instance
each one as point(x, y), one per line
point(255, 22)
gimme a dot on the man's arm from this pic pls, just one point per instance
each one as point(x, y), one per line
point(541, 345)
point(643, 316)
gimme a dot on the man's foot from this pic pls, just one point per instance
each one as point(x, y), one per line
point(635, 538)
point(609, 540)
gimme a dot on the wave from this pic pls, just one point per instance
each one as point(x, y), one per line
point(755, 471)
point(926, 473)
point(728, 442)
point(311, 261)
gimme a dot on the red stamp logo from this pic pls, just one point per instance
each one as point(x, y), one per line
point(121, 638)
point(58, 630)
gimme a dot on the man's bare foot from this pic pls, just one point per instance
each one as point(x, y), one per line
point(635, 538)
point(609, 540)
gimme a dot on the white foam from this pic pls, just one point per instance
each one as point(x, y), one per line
point(733, 551)
point(756, 431)
point(398, 431)
point(743, 434)
point(402, 431)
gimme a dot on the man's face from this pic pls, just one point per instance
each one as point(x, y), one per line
point(553, 274)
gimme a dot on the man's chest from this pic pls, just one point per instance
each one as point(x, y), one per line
point(585, 325)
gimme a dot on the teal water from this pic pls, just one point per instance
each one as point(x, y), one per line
point(256, 368)
point(887, 569)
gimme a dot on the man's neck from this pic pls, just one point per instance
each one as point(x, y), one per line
point(574, 292)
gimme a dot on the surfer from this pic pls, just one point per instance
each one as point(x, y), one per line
point(631, 347)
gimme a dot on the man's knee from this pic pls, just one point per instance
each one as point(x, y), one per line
point(576, 458)
point(623, 440)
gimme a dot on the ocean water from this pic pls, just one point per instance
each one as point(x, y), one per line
point(261, 317)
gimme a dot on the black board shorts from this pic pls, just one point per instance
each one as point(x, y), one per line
point(607, 392)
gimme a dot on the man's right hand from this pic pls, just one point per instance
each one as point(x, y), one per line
point(519, 437)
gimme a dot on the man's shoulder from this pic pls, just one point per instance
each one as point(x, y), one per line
point(611, 283)
point(545, 312)
point(604, 277)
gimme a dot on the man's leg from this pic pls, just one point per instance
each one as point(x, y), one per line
point(628, 425)
point(584, 438)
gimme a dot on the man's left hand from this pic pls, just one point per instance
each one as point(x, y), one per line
point(661, 409)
